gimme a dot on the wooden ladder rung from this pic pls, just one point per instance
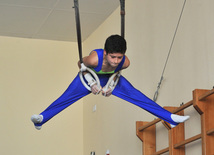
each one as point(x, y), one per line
point(189, 140)
point(211, 131)
point(149, 124)
point(202, 97)
point(182, 107)
point(161, 151)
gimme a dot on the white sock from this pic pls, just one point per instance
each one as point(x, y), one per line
point(36, 118)
point(38, 127)
point(172, 126)
point(178, 118)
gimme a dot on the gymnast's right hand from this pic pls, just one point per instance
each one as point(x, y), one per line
point(92, 83)
point(95, 89)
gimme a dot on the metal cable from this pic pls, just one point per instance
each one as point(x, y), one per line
point(170, 49)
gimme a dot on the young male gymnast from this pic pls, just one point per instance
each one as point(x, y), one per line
point(105, 62)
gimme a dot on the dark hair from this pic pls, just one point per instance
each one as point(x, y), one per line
point(115, 44)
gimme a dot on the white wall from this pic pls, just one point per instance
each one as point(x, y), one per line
point(150, 26)
point(33, 74)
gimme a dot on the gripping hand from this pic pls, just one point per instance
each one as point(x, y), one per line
point(107, 90)
point(92, 83)
point(95, 89)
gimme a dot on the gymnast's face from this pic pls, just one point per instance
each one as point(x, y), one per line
point(114, 59)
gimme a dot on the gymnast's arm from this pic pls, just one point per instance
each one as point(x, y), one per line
point(91, 61)
point(126, 63)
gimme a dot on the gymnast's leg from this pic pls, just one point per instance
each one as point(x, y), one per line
point(126, 91)
point(74, 92)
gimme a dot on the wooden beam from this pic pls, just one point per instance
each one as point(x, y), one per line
point(148, 137)
point(203, 102)
point(205, 108)
point(176, 135)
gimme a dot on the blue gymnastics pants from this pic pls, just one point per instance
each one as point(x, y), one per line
point(123, 90)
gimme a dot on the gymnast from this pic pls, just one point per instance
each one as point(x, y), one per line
point(105, 62)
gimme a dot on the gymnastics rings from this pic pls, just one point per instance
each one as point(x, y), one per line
point(92, 73)
point(112, 78)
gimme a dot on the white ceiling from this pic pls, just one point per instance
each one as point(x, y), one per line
point(52, 19)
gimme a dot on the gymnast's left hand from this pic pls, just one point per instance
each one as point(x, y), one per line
point(95, 90)
point(106, 92)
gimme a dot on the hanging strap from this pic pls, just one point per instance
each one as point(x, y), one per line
point(122, 13)
point(78, 28)
point(83, 67)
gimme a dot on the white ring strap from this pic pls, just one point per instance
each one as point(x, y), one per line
point(111, 79)
point(94, 75)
